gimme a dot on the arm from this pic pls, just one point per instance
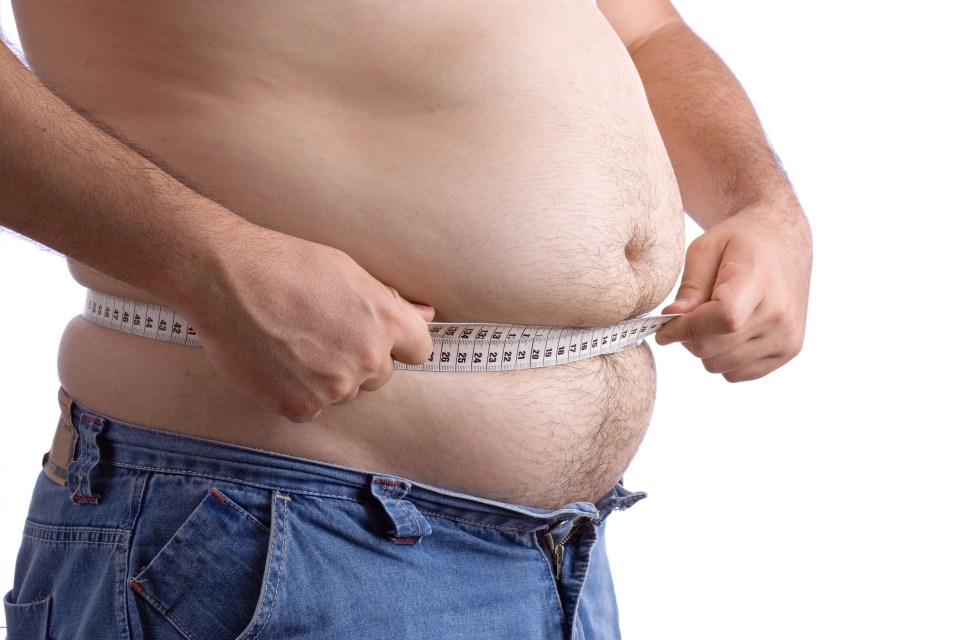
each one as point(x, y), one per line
point(254, 295)
point(746, 281)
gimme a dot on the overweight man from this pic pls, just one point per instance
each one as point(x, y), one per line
point(308, 185)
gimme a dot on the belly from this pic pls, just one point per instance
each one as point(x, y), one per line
point(458, 154)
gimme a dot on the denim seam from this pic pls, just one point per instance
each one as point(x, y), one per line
point(138, 493)
point(410, 521)
point(227, 501)
point(135, 499)
point(580, 579)
point(166, 614)
point(276, 585)
point(46, 527)
point(74, 542)
point(120, 559)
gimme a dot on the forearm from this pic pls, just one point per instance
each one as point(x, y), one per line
point(718, 149)
point(71, 186)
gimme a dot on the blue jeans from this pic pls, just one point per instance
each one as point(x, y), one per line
point(139, 534)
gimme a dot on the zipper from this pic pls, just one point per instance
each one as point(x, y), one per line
point(556, 550)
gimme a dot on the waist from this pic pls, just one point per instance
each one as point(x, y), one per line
point(460, 347)
point(131, 446)
point(543, 437)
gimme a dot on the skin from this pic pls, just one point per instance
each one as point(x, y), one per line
point(745, 305)
point(253, 279)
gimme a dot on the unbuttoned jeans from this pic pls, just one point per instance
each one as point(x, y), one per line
point(151, 535)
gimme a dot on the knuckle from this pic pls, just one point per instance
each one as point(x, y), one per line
point(792, 344)
point(779, 316)
point(732, 376)
point(795, 339)
point(299, 411)
point(391, 313)
point(340, 388)
point(368, 361)
point(305, 416)
point(378, 381)
point(730, 320)
point(691, 286)
point(794, 350)
point(373, 384)
point(698, 247)
point(386, 372)
point(698, 348)
point(394, 309)
point(713, 366)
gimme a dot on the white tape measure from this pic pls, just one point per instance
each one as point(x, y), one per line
point(456, 346)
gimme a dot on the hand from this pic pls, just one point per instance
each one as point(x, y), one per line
point(744, 292)
point(299, 326)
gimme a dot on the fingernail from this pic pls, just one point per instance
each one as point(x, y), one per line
point(423, 307)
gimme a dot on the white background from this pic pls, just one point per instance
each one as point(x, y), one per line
point(819, 502)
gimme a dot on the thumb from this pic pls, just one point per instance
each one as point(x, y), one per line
point(687, 300)
point(426, 312)
point(699, 276)
point(696, 287)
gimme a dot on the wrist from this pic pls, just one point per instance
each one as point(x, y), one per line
point(774, 216)
point(200, 261)
point(775, 200)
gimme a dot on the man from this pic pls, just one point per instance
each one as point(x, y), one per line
point(336, 175)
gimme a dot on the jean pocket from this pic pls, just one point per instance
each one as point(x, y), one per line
point(214, 574)
point(26, 621)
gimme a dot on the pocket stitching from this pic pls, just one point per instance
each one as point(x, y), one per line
point(282, 521)
point(136, 586)
point(11, 606)
point(227, 501)
point(220, 500)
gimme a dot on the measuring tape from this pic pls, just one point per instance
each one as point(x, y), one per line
point(456, 346)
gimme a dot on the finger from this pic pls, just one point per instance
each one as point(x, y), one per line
point(413, 344)
point(715, 346)
point(380, 378)
point(741, 356)
point(755, 370)
point(699, 275)
point(729, 318)
point(736, 295)
point(698, 325)
point(426, 311)
point(299, 409)
point(347, 398)
point(696, 287)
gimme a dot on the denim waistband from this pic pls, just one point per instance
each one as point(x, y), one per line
point(96, 439)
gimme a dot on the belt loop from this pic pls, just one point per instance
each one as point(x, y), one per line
point(88, 455)
point(409, 525)
point(619, 499)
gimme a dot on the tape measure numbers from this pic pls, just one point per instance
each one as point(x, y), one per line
point(456, 346)
point(139, 318)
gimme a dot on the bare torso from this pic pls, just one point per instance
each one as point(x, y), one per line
point(495, 160)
